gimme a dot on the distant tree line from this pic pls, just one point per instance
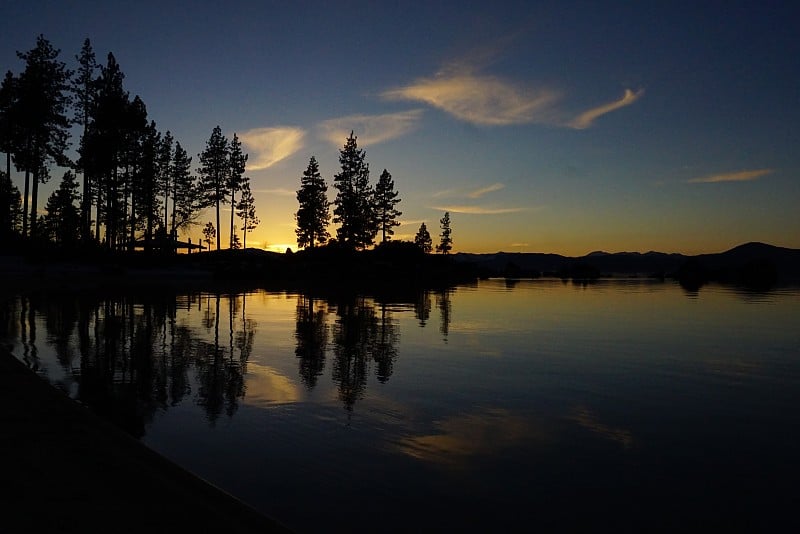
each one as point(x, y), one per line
point(361, 210)
point(137, 184)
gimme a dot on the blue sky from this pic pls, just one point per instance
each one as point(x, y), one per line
point(540, 126)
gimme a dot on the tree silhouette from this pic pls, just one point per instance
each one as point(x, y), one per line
point(145, 183)
point(102, 149)
point(43, 100)
point(423, 239)
point(246, 210)
point(11, 206)
point(237, 161)
point(354, 205)
point(209, 234)
point(8, 97)
point(214, 169)
point(446, 243)
point(313, 214)
point(185, 196)
point(385, 201)
point(84, 87)
point(62, 221)
point(164, 175)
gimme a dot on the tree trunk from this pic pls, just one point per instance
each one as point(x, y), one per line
point(34, 197)
point(233, 194)
point(25, 203)
point(219, 228)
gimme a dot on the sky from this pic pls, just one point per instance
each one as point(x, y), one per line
point(564, 127)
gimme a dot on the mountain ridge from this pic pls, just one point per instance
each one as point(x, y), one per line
point(774, 262)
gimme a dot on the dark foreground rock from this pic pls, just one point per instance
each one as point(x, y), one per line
point(67, 470)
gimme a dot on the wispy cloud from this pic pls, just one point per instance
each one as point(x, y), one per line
point(411, 222)
point(370, 129)
point(739, 176)
point(268, 146)
point(278, 191)
point(484, 100)
point(477, 210)
point(478, 193)
point(585, 119)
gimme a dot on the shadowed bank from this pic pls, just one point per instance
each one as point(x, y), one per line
point(67, 470)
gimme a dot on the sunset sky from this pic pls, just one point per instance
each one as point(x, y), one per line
point(562, 127)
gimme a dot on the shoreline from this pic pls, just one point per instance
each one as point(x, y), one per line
point(68, 470)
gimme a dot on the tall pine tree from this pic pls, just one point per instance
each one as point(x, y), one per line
point(214, 169)
point(423, 238)
point(84, 87)
point(313, 213)
point(42, 104)
point(354, 207)
point(446, 240)
point(238, 162)
point(385, 201)
point(62, 222)
point(185, 195)
point(246, 210)
point(8, 97)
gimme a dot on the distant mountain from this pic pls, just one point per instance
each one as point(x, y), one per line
point(747, 262)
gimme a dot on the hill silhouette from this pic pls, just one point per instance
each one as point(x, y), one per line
point(750, 263)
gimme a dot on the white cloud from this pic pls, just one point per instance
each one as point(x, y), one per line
point(739, 176)
point(278, 191)
point(585, 119)
point(477, 210)
point(484, 100)
point(268, 146)
point(370, 129)
point(484, 190)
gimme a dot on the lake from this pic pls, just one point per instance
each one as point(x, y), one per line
point(501, 406)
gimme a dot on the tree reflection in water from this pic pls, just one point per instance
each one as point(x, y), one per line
point(135, 357)
point(311, 334)
point(131, 356)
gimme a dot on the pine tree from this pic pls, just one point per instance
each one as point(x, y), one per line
point(423, 239)
point(246, 210)
point(313, 214)
point(238, 162)
point(103, 149)
point(10, 206)
point(62, 222)
point(209, 234)
point(146, 185)
point(8, 99)
point(165, 174)
point(214, 168)
point(354, 205)
point(385, 201)
point(41, 116)
point(185, 198)
point(446, 243)
point(84, 87)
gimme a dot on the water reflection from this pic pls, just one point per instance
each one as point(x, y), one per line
point(311, 333)
point(128, 358)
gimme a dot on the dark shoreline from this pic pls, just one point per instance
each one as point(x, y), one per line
point(68, 470)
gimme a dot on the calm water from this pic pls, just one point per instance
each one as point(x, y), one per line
point(620, 404)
